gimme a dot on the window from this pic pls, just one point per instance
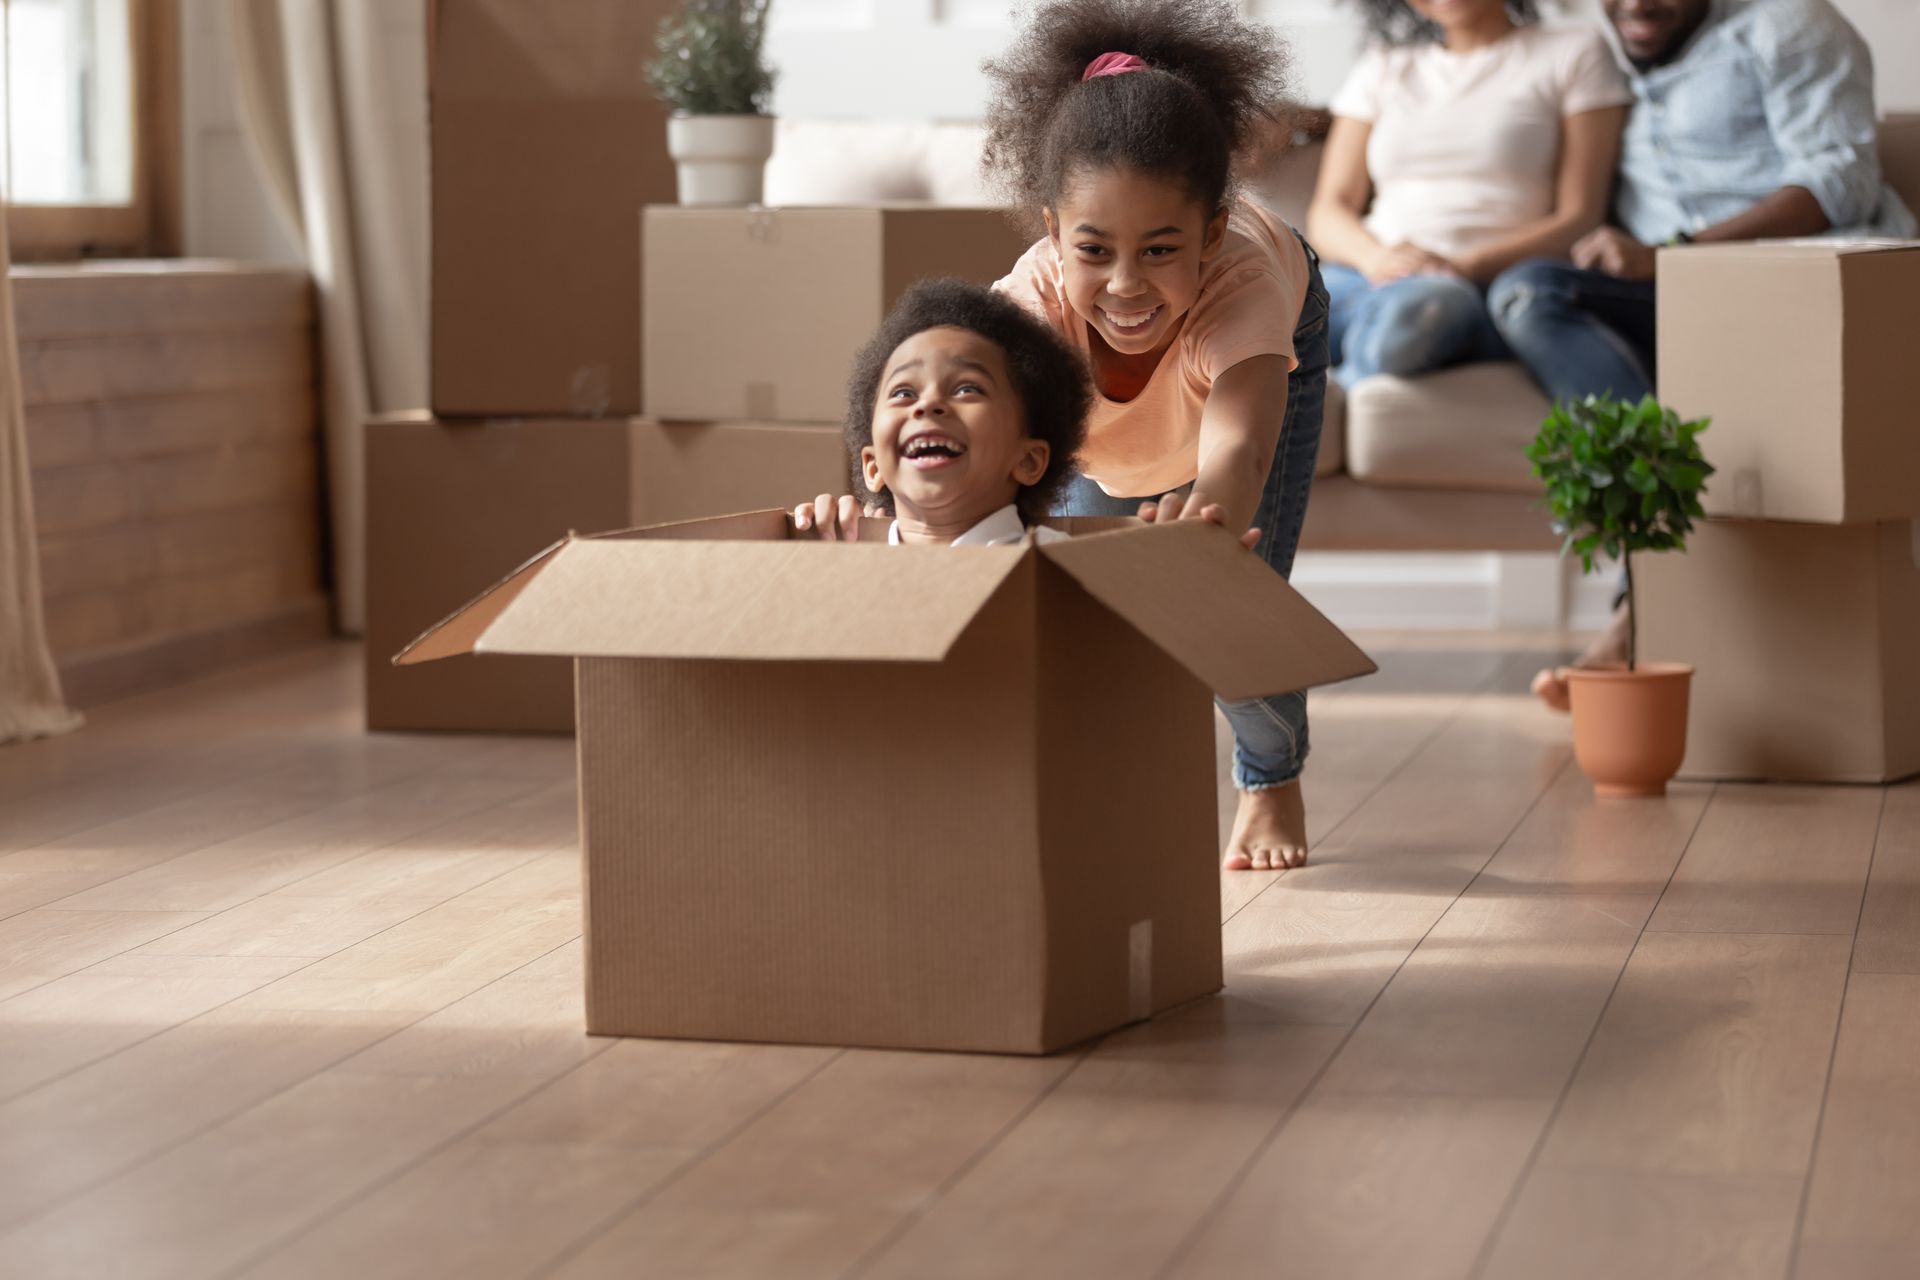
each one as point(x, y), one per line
point(89, 102)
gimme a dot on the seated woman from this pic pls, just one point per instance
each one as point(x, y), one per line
point(1467, 139)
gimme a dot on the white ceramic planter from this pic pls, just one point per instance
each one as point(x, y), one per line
point(720, 159)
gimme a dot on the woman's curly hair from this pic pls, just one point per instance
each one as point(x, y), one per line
point(1214, 78)
point(1050, 379)
point(1395, 22)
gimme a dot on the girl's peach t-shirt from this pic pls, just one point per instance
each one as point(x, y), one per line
point(1250, 299)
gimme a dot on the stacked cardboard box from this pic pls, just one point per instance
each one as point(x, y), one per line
point(1799, 603)
point(547, 145)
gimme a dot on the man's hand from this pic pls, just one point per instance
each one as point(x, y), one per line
point(1175, 507)
point(1398, 261)
point(1613, 251)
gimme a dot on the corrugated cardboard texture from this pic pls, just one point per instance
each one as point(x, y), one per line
point(847, 858)
point(1803, 639)
point(449, 508)
point(1128, 798)
point(545, 141)
point(1228, 618)
point(686, 470)
point(1828, 435)
point(757, 313)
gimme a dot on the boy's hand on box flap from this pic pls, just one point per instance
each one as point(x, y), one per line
point(1175, 507)
point(838, 519)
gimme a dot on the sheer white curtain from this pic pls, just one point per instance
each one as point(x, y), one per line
point(333, 99)
point(30, 701)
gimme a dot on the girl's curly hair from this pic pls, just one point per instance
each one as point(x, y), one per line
point(1395, 22)
point(1214, 78)
point(1049, 378)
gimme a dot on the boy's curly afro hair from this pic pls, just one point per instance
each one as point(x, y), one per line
point(1214, 78)
point(1049, 378)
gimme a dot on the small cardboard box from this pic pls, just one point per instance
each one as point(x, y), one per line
point(545, 141)
point(908, 797)
point(1802, 353)
point(757, 313)
point(1804, 639)
point(448, 503)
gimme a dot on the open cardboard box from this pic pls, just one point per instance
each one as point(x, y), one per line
point(909, 797)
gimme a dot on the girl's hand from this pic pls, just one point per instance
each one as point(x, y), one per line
point(1175, 507)
point(838, 519)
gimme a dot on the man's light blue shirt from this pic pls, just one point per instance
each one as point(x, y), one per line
point(1766, 94)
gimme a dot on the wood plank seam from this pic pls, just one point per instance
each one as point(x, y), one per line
point(1187, 1244)
point(208, 1127)
point(1413, 754)
point(429, 906)
point(908, 1220)
point(1839, 1023)
point(706, 1153)
point(1485, 1257)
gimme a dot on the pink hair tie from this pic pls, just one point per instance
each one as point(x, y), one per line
point(1112, 64)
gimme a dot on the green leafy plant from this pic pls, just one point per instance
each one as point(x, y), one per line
point(711, 59)
point(1620, 478)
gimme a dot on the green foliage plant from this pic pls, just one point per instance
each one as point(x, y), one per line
point(712, 60)
point(1620, 478)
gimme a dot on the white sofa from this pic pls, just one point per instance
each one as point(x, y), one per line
point(1434, 463)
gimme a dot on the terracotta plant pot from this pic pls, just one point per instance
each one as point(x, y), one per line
point(1630, 727)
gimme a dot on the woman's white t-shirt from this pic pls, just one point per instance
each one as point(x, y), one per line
point(1465, 147)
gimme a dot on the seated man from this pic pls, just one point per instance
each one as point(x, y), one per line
point(1752, 119)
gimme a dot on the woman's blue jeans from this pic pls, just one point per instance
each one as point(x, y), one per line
point(1269, 734)
point(1406, 327)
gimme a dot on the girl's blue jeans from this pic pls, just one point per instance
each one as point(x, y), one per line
point(1269, 734)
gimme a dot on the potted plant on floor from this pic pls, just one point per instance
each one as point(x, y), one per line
point(711, 71)
point(1623, 478)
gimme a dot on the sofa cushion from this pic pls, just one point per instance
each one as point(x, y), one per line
point(860, 162)
point(1461, 428)
point(1333, 433)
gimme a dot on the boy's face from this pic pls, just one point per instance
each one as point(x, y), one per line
point(949, 433)
point(1132, 245)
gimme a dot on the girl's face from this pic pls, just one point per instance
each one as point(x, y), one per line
point(949, 433)
point(1133, 245)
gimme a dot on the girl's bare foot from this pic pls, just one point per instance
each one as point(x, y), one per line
point(1610, 650)
point(1269, 830)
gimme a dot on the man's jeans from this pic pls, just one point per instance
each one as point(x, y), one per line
point(1405, 327)
point(1579, 333)
point(1270, 734)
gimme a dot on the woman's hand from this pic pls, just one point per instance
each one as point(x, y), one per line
point(1175, 507)
point(838, 519)
point(1396, 262)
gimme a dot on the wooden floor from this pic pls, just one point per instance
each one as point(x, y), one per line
point(281, 999)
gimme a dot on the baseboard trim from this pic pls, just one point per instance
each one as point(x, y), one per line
point(94, 678)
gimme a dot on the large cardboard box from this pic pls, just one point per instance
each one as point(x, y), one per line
point(1802, 353)
point(757, 313)
point(914, 797)
point(1804, 638)
point(449, 503)
point(546, 141)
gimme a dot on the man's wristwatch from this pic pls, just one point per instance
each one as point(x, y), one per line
point(1677, 239)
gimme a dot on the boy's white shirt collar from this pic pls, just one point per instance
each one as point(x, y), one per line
point(1001, 529)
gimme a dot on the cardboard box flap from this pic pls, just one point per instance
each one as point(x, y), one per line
point(747, 601)
point(459, 632)
point(1212, 606)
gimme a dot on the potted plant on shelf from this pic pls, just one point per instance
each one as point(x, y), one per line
point(711, 71)
point(1623, 478)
